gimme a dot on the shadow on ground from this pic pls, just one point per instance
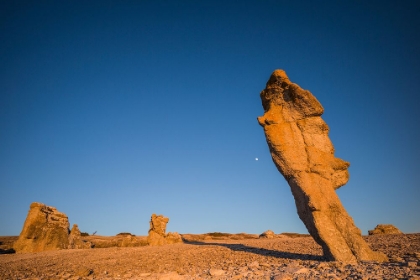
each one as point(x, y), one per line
point(7, 251)
point(260, 251)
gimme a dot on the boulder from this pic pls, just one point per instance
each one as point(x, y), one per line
point(268, 234)
point(76, 241)
point(385, 229)
point(127, 241)
point(298, 141)
point(44, 229)
point(173, 237)
point(157, 232)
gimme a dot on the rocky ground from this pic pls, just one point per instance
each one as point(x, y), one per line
point(280, 258)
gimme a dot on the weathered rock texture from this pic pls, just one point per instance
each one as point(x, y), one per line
point(157, 232)
point(303, 153)
point(76, 241)
point(267, 234)
point(44, 229)
point(385, 229)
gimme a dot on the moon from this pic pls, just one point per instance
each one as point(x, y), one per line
point(256, 158)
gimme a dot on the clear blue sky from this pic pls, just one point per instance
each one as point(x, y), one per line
point(114, 110)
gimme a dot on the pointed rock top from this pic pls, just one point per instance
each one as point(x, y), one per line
point(281, 92)
point(277, 78)
point(280, 73)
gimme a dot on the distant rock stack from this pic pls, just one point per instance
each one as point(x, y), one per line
point(157, 232)
point(44, 229)
point(385, 229)
point(298, 141)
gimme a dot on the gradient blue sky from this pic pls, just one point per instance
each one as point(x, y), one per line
point(114, 110)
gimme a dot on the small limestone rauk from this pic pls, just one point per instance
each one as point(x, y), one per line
point(45, 228)
point(157, 232)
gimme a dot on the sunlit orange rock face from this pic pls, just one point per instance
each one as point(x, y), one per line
point(44, 229)
point(298, 141)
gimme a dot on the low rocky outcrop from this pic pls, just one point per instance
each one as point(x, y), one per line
point(268, 234)
point(99, 241)
point(76, 241)
point(385, 229)
point(44, 229)
point(298, 141)
point(173, 237)
point(157, 232)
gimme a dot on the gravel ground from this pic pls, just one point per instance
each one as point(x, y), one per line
point(280, 258)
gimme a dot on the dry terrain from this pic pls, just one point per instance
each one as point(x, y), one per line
point(212, 256)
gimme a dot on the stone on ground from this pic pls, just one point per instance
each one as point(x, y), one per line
point(267, 234)
point(385, 229)
point(76, 241)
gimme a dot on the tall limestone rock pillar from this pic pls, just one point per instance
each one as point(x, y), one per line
point(298, 141)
